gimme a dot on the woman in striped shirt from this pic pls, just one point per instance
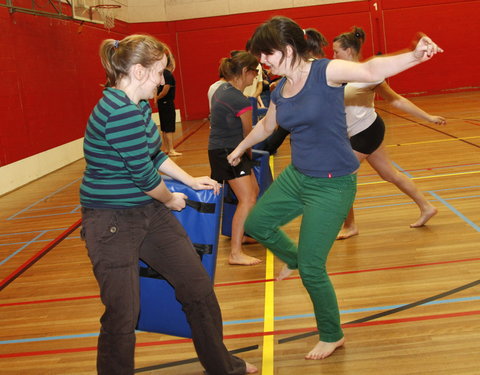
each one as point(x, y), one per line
point(126, 212)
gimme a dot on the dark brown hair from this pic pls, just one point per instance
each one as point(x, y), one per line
point(316, 42)
point(278, 33)
point(232, 66)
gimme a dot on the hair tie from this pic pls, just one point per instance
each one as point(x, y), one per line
point(116, 43)
point(305, 35)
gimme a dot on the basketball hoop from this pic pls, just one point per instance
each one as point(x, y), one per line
point(107, 12)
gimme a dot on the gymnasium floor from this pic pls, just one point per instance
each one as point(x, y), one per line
point(409, 298)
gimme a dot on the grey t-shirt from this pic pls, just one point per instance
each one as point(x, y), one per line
point(228, 104)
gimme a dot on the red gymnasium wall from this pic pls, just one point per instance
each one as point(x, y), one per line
point(50, 77)
point(50, 72)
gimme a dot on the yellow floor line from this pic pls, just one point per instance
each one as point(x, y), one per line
point(268, 319)
point(423, 177)
point(269, 315)
point(433, 141)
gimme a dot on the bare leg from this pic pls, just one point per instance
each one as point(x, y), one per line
point(165, 141)
point(381, 163)
point(248, 240)
point(168, 139)
point(246, 190)
point(324, 349)
point(349, 228)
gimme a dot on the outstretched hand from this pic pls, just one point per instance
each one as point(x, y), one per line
point(205, 183)
point(425, 49)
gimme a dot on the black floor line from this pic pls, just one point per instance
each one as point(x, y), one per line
point(389, 312)
point(191, 360)
point(430, 127)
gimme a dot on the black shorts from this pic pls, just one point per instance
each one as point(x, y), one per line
point(166, 114)
point(221, 170)
point(368, 140)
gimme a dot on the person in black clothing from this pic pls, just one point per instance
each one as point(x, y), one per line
point(165, 99)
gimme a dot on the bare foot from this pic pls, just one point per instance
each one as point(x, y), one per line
point(174, 153)
point(347, 232)
point(248, 240)
point(243, 259)
point(324, 349)
point(424, 217)
point(284, 273)
point(251, 369)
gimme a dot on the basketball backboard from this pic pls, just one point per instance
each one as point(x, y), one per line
point(86, 10)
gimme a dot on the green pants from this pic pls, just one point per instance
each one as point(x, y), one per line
point(324, 204)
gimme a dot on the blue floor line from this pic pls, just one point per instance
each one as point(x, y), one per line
point(20, 250)
point(456, 212)
point(409, 175)
point(458, 188)
point(33, 231)
point(52, 207)
point(48, 215)
point(37, 241)
point(247, 321)
point(13, 217)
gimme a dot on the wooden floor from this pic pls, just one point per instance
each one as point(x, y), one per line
point(409, 298)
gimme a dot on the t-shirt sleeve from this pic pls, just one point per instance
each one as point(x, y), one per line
point(239, 103)
point(125, 132)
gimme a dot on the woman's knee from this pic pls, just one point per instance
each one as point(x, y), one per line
point(192, 292)
point(248, 201)
point(120, 319)
point(392, 177)
point(312, 274)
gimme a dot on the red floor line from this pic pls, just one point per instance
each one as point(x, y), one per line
point(258, 281)
point(64, 234)
point(38, 255)
point(253, 334)
point(471, 123)
point(49, 300)
point(356, 271)
point(183, 139)
point(411, 319)
point(405, 266)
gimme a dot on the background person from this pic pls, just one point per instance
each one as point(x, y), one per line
point(230, 122)
point(165, 100)
point(366, 129)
